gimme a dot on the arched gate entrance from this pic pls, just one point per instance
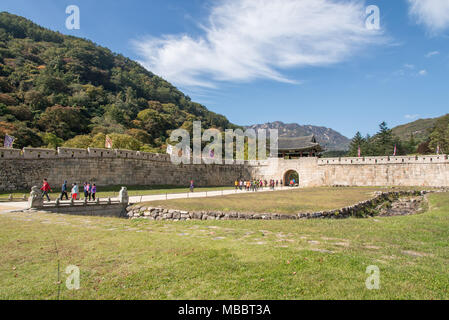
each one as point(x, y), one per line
point(289, 176)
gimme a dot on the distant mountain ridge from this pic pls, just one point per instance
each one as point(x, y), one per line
point(330, 139)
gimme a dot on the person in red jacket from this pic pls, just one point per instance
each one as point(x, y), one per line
point(46, 189)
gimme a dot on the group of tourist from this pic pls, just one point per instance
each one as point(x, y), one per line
point(254, 185)
point(89, 189)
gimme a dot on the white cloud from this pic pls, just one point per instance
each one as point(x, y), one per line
point(245, 40)
point(412, 116)
point(422, 73)
point(434, 14)
point(431, 54)
point(410, 70)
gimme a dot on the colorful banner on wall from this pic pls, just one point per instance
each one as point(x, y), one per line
point(9, 141)
point(108, 144)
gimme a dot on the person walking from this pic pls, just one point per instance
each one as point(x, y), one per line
point(75, 191)
point(93, 191)
point(192, 186)
point(89, 185)
point(236, 183)
point(64, 191)
point(86, 190)
point(46, 189)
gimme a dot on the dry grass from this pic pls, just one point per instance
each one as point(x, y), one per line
point(291, 201)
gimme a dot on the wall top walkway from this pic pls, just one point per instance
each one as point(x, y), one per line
point(64, 153)
point(75, 153)
point(385, 160)
point(39, 153)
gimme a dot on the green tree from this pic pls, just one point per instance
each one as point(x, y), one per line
point(440, 135)
point(357, 142)
point(384, 140)
point(98, 141)
point(65, 122)
point(140, 135)
point(51, 141)
point(81, 142)
point(126, 142)
point(153, 122)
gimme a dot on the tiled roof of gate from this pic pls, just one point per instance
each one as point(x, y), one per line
point(298, 143)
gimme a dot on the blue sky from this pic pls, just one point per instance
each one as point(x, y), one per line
point(304, 61)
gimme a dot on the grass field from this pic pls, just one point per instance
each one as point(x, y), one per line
point(140, 259)
point(105, 192)
point(291, 201)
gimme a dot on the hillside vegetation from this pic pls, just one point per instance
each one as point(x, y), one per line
point(419, 129)
point(429, 136)
point(61, 90)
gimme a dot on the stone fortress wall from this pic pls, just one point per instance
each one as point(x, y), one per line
point(22, 169)
point(428, 171)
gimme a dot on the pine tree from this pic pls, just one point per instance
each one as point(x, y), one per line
point(440, 135)
point(357, 142)
point(384, 140)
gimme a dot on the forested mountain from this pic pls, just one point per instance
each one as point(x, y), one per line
point(329, 138)
point(419, 129)
point(432, 136)
point(62, 90)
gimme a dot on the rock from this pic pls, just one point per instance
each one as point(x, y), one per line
point(185, 216)
point(197, 215)
point(219, 214)
point(233, 215)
